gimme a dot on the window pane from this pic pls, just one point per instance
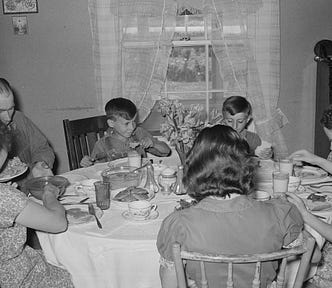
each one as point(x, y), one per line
point(186, 69)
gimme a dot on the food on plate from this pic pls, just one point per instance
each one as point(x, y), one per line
point(185, 204)
point(132, 193)
point(14, 166)
point(316, 197)
point(77, 213)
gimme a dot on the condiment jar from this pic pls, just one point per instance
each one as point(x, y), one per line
point(166, 180)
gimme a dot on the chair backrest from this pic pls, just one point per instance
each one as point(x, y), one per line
point(304, 251)
point(81, 135)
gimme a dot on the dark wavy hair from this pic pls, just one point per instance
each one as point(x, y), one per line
point(326, 119)
point(219, 164)
point(120, 107)
point(5, 137)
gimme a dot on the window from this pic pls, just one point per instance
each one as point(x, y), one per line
point(193, 72)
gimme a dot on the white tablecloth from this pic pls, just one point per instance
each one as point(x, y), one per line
point(121, 255)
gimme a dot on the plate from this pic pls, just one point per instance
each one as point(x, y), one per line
point(14, 168)
point(78, 214)
point(122, 204)
point(153, 215)
point(308, 173)
point(85, 188)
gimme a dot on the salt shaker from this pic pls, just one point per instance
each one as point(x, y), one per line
point(178, 187)
point(150, 184)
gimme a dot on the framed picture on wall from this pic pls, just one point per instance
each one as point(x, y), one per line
point(20, 25)
point(19, 6)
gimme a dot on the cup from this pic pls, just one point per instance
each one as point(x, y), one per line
point(140, 209)
point(134, 159)
point(280, 182)
point(286, 165)
point(103, 198)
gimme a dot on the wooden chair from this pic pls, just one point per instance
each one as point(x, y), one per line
point(81, 135)
point(304, 251)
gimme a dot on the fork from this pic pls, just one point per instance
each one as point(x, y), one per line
point(93, 212)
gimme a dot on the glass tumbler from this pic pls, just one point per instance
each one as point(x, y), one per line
point(103, 197)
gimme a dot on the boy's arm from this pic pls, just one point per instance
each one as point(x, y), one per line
point(157, 147)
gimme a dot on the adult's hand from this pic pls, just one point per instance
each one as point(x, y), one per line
point(41, 169)
point(298, 202)
point(304, 155)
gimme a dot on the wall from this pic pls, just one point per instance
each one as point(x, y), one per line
point(303, 24)
point(52, 72)
point(51, 68)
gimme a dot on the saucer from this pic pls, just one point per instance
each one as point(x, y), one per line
point(153, 215)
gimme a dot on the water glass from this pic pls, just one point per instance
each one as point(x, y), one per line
point(103, 197)
point(286, 165)
point(280, 182)
point(134, 159)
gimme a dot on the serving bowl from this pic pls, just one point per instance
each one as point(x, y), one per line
point(35, 186)
point(122, 176)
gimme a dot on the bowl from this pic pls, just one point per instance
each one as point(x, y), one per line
point(122, 176)
point(35, 186)
point(261, 195)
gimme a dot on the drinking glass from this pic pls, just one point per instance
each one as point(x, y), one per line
point(280, 182)
point(103, 197)
point(286, 165)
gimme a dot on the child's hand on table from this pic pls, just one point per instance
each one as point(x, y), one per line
point(86, 161)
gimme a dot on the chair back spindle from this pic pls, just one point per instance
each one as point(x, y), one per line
point(304, 252)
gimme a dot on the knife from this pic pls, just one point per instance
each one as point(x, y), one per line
point(93, 212)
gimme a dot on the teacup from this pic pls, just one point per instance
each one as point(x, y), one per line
point(140, 209)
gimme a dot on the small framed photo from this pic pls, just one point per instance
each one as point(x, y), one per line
point(19, 6)
point(20, 25)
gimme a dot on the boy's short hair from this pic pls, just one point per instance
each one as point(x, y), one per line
point(5, 88)
point(236, 104)
point(120, 107)
point(326, 119)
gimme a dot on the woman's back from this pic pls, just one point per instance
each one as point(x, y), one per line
point(237, 226)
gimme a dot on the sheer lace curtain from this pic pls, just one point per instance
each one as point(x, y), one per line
point(125, 69)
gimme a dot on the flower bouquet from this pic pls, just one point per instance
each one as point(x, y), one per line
point(183, 123)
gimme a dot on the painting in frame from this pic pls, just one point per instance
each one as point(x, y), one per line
point(19, 6)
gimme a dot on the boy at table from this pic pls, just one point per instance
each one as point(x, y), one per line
point(237, 113)
point(123, 136)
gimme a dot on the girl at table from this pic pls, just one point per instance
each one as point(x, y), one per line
point(219, 174)
point(20, 265)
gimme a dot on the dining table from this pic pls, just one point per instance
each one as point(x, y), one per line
point(123, 254)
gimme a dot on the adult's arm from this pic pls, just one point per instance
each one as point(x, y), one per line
point(49, 217)
point(39, 147)
point(320, 226)
point(306, 156)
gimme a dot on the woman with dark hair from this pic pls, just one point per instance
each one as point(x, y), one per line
point(20, 265)
point(219, 173)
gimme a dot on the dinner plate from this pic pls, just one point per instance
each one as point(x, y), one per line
point(79, 214)
point(153, 215)
point(5, 178)
point(309, 173)
point(86, 188)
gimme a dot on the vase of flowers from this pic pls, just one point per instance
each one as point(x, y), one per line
point(183, 123)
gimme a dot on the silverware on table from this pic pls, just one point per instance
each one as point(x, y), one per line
point(93, 212)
